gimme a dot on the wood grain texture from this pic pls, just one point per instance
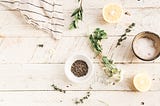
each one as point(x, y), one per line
point(26, 50)
point(27, 70)
point(103, 98)
point(29, 77)
point(145, 19)
point(91, 4)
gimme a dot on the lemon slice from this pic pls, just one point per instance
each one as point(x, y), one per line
point(142, 82)
point(112, 13)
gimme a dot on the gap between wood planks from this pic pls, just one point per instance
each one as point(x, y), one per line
point(82, 36)
point(62, 63)
point(6, 9)
point(76, 91)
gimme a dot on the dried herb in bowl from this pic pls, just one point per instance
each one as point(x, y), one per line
point(79, 68)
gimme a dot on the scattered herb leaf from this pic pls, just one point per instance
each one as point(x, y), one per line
point(127, 13)
point(77, 16)
point(124, 36)
point(142, 103)
point(58, 89)
point(80, 101)
point(40, 45)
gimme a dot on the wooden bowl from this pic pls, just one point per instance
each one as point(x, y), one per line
point(150, 35)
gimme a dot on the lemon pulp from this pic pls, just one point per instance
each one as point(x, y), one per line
point(142, 82)
point(112, 13)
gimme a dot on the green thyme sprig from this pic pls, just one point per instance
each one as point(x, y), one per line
point(124, 36)
point(77, 16)
point(58, 89)
point(80, 101)
point(108, 65)
point(110, 69)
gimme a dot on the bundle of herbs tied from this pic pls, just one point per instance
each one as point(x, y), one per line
point(113, 73)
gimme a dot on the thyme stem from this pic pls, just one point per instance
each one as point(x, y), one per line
point(77, 16)
point(124, 36)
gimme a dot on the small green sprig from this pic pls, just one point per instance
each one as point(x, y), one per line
point(58, 89)
point(124, 36)
point(96, 38)
point(77, 16)
point(110, 69)
point(108, 65)
point(80, 101)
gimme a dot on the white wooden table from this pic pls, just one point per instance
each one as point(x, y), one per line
point(28, 71)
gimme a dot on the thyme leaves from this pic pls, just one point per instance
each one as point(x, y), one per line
point(81, 100)
point(58, 89)
point(124, 36)
point(95, 39)
point(77, 16)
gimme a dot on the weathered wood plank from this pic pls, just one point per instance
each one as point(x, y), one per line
point(21, 84)
point(125, 3)
point(26, 50)
point(103, 98)
point(42, 76)
point(89, 4)
point(145, 19)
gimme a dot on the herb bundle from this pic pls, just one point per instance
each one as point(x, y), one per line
point(77, 16)
point(108, 65)
point(124, 36)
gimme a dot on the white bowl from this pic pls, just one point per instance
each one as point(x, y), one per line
point(69, 63)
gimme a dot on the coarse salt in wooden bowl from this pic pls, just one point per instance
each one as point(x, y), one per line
point(146, 46)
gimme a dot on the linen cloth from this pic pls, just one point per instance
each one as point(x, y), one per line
point(46, 15)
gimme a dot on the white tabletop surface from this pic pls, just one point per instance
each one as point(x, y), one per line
point(28, 71)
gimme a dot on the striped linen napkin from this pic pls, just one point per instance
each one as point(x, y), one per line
point(46, 15)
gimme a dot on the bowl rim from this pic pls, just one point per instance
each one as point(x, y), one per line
point(134, 39)
point(88, 62)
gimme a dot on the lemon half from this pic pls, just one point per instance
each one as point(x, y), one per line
point(112, 13)
point(142, 82)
